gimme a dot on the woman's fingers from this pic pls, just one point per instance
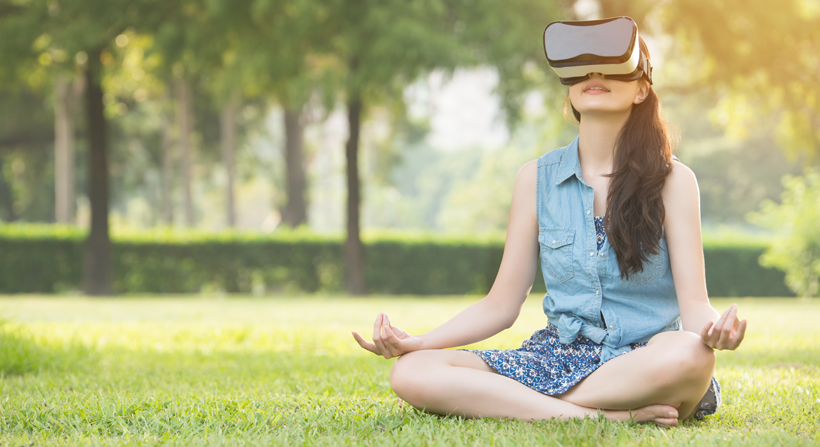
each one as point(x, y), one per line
point(391, 342)
point(365, 344)
point(741, 332)
point(386, 338)
point(377, 336)
point(725, 339)
point(719, 324)
point(704, 334)
point(397, 331)
point(385, 346)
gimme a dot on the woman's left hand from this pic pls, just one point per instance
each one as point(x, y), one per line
point(726, 333)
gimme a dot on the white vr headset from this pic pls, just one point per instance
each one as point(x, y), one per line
point(574, 49)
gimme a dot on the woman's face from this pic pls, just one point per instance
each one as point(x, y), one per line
point(599, 95)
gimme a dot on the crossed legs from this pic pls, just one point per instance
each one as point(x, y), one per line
point(660, 382)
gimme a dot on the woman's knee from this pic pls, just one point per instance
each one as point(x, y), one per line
point(419, 376)
point(407, 375)
point(686, 357)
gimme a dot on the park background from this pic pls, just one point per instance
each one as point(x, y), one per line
point(238, 184)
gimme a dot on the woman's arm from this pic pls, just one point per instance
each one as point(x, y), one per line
point(681, 200)
point(502, 305)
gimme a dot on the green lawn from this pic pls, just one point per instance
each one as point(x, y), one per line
point(283, 371)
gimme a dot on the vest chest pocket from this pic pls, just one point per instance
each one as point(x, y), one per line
point(556, 252)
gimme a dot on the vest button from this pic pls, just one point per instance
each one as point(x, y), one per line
point(591, 254)
point(612, 327)
point(602, 255)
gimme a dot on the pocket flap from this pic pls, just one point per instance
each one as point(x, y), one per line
point(556, 238)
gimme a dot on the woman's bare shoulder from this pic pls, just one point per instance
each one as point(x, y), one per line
point(681, 182)
point(522, 208)
point(681, 198)
point(528, 172)
point(526, 181)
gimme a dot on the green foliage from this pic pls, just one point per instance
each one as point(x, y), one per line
point(735, 173)
point(796, 222)
point(285, 371)
point(757, 57)
point(45, 259)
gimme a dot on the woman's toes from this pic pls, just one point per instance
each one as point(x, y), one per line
point(667, 422)
point(660, 414)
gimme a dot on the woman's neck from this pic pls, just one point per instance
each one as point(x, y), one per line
point(597, 140)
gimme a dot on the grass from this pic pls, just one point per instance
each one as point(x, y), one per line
point(285, 371)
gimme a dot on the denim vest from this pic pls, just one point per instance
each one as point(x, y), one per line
point(585, 292)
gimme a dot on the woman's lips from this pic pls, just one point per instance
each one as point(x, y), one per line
point(595, 88)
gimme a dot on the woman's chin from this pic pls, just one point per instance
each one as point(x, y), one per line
point(603, 111)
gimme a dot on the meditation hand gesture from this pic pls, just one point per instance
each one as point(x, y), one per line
point(727, 332)
point(388, 340)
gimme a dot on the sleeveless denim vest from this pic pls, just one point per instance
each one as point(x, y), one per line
point(585, 293)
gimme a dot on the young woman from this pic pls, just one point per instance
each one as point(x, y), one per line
point(631, 333)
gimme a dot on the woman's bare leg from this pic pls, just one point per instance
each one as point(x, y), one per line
point(461, 383)
point(674, 368)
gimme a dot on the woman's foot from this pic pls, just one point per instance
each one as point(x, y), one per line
point(663, 415)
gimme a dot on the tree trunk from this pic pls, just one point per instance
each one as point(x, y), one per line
point(167, 178)
point(65, 102)
point(354, 250)
point(185, 125)
point(6, 199)
point(97, 256)
point(295, 213)
point(227, 133)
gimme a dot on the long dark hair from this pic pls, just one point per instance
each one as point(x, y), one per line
point(634, 206)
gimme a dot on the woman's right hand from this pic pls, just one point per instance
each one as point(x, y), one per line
point(388, 341)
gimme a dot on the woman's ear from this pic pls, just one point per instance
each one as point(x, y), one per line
point(643, 92)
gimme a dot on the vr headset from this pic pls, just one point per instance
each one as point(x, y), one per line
point(574, 49)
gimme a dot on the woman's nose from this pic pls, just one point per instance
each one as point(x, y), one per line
point(596, 74)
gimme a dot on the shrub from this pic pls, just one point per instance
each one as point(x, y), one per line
point(46, 259)
point(796, 223)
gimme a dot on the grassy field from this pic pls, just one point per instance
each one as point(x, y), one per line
point(285, 371)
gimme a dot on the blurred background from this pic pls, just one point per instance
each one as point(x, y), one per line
point(260, 146)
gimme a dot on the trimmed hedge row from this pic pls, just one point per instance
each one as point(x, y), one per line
point(47, 259)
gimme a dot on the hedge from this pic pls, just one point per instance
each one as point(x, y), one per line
point(48, 259)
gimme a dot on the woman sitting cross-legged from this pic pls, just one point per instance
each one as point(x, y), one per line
point(631, 332)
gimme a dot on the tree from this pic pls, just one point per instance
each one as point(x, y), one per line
point(295, 212)
point(380, 46)
point(301, 32)
point(200, 48)
point(227, 132)
point(761, 57)
point(97, 275)
point(185, 126)
point(384, 45)
point(83, 32)
point(167, 164)
point(66, 98)
point(796, 248)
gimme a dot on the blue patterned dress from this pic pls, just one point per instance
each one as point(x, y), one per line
point(550, 367)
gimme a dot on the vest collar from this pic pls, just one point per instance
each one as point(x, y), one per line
point(570, 163)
